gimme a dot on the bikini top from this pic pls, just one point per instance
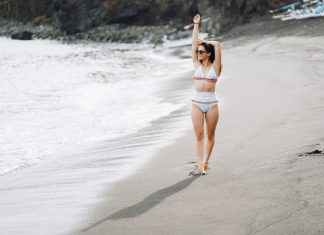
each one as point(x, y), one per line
point(210, 76)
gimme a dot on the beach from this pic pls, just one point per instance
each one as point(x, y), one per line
point(261, 179)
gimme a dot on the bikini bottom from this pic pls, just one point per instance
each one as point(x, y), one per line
point(204, 100)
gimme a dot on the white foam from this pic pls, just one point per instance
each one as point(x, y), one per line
point(55, 95)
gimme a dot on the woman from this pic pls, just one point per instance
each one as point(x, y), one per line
point(206, 57)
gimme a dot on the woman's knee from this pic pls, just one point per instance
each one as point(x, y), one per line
point(200, 136)
point(211, 137)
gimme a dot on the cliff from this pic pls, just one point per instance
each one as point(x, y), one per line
point(73, 16)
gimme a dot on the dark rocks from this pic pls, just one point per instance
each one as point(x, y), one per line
point(7, 28)
point(133, 33)
point(106, 33)
point(144, 21)
point(78, 16)
point(73, 16)
point(67, 16)
point(315, 152)
point(23, 35)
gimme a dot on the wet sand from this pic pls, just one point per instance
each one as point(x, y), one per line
point(260, 181)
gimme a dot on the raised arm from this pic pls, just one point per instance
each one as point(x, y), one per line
point(218, 56)
point(195, 33)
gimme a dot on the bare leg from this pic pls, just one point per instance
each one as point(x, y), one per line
point(211, 121)
point(197, 117)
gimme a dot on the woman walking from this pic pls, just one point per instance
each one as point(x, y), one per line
point(206, 57)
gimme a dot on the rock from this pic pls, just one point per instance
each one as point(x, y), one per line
point(315, 152)
point(22, 35)
point(138, 20)
point(73, 16)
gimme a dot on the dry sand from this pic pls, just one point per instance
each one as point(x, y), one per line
point(259, 181)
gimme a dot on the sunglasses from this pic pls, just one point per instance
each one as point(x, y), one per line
point(199, 52)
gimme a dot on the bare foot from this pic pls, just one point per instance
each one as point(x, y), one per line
point(206, 165)
point(202, 170)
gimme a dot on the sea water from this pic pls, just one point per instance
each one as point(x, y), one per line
point(75, 118)
point(56, 95)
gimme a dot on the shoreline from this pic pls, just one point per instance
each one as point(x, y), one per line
point(53, 190)
point(257, 26)
point(261, 180)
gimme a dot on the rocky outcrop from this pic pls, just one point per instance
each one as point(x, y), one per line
point(23, 35)
point(109, 18)
point(74, 16)
point(225, 14)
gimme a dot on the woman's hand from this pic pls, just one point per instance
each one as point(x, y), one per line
point(196, 19)
point(200, 41)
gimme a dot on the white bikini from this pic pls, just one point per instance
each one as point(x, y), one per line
point(199, 75)
point(205, 100)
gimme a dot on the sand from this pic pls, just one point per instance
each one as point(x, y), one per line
point(260, 181)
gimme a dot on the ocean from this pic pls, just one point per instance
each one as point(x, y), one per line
point(56, 95)
point(81, 115)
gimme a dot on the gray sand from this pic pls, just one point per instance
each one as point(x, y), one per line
point(259, 181)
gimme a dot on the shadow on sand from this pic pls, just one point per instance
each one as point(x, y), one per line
point(146, 204)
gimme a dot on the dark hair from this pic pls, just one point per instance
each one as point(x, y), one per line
point(209, 48)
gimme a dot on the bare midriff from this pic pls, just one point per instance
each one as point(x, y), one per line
point(205, 85)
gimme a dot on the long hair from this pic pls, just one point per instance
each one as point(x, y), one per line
point(209, 48)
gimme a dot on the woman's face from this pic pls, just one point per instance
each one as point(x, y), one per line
point(202, 53)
